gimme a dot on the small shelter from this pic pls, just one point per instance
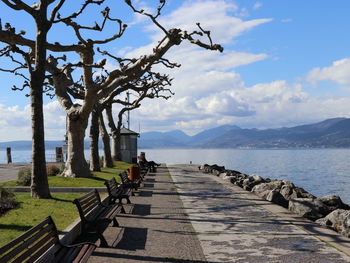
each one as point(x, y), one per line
point(128, 145)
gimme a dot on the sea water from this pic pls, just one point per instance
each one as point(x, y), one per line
point(319, 171)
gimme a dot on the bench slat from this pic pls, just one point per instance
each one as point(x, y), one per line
point(84, 254)
point(33, 245)
point(37, 239)
point(24, 236)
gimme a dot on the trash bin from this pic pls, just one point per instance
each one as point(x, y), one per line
point(134, 173)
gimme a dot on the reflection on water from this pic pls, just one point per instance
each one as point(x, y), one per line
point(319, 171)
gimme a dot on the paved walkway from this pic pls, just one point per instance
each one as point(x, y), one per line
point(210, 220)
point(234, 225)
point(10, 171)
point(155, 228)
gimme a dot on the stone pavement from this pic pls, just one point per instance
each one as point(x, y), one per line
point(234, 225)
point(10, 171)
point(195, 217)
point(154, 229)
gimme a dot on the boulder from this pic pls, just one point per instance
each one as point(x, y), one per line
point(264, 189)
point(252, 181)
point(287, 191)
point(302, 193)
point(275, 197)
point(333, 202)
point(308, 207)
point(339, 220)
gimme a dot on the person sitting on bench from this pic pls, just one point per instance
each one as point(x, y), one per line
point(144, 162)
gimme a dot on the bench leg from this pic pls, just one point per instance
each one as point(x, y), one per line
point(115, 222)
point(103, 241)
point(122, 210)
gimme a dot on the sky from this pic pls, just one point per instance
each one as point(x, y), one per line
point(285, 63)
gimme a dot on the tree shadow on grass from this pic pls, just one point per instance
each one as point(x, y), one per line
point(14, 227)
point(62, 200)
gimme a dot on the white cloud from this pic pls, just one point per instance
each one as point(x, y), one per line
point(287, 20)
point(338, 72)
point(213, 15)
point(257, 5)
point(16, 124)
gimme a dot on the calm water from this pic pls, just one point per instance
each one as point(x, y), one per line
point(319, 171)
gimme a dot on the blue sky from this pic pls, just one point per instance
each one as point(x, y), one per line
point(285, 63)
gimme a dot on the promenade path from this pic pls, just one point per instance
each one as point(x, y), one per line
point(10, 171)
point(184, 215)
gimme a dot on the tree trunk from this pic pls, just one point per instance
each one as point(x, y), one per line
point(76, 165)
point(39, 182)
point(116, 153)
point(94, 134)
point(107, 161)
point(115, 138)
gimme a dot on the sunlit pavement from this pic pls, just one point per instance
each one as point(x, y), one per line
point(184, 215)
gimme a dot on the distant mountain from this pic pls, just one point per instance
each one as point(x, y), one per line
point(326, 134)
point(174, 138)
point(208, 135)
point(331, 133)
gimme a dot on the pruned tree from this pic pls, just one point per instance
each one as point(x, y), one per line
point(152, 86)
point(83, 80)
point(34, 61)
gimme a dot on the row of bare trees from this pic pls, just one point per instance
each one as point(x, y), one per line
point(76, 74)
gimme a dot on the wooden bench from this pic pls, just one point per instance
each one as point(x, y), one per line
point(144, 168)
point(117, 191)
point(95, 216)
point(127, 183)
point(41, 244)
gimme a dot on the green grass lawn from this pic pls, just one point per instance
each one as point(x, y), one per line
point(31, 211)
point(96, 181)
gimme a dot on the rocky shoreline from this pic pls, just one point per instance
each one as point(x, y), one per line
point(328, 211)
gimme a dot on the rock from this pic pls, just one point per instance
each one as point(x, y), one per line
point(274, 196)
point(264, 189)
point(339, 220)
point(301, 193)
point(308, 207)
point(215, 172)
point(233, 173)
point(247, 188)
point(333, 202)
point(252, 181)
point(287, 191)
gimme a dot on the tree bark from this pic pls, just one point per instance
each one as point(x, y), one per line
point(94, 135)
point(76, 165)
point(114, 133)
point(39, 181)
point(107, 161)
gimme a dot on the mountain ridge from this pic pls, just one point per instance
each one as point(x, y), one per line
point(330, 133)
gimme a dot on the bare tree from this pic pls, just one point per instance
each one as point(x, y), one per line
point(152, 86)
point(93, 86)
point(34, 61)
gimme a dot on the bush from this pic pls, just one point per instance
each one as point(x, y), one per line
point(24, 176)
point(7, 200)
point(52, 170)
